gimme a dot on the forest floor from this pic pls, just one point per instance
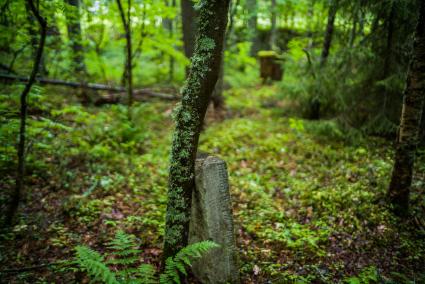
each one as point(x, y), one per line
point(308, 202)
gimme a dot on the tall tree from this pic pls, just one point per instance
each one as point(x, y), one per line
point(196, 95)
point(407, 140)
point(333, 8)
point(75, 37)
point(20, 175)
point(126, 21)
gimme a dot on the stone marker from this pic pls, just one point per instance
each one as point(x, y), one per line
point(212, 220)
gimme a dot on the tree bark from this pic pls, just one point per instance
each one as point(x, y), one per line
point(75, 37)
point(189, 25)
point(126, 21)
point(196, 95)
point(20, 175)
point(329, 32)
point(407, 140)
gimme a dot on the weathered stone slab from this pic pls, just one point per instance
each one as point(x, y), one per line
point(212, 220)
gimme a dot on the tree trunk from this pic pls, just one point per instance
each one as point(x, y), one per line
point(126, 21)
point(329, 32)
point(310, 23)
point(422, 128)
point(189, 25)
point(389, 42)
point(273, 25)
point(168, 25)
point(217, 97)
point(353, 33)
point(251, 6)
point(189, 118)
point(407, 140)
point(32, 31)
point(74, 35)
point(23, 116)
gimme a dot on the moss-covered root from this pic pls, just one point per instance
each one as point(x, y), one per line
point(196, 95)
point(414, 97)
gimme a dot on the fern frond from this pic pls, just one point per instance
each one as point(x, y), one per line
point(124, 249)
point(147, 274)
point(171, 274)
point(124, 243)
point(176, 265)
point(194, 251)
point(92, 262)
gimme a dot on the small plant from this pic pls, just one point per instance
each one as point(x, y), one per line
point(124, 257)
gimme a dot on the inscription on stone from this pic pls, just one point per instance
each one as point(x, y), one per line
point(212, 220)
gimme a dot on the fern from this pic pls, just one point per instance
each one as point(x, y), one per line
point(184, 258)
point(125, 255)
point(147, 274)
point(93, 263)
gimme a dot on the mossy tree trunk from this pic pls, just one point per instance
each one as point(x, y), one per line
point(407, 140)
point(75, 37)
point(196, 95)
point(329, 31)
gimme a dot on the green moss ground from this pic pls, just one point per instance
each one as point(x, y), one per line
point(308, 198)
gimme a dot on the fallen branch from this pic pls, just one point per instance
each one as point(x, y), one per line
point(91, 86)
point(30, 268)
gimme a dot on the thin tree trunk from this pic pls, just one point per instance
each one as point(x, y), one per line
point(74, 34)
point(389, 42)
point(126, 21)
point(310, 23)
point(168, 25)
point(217, 96)
point(407, 140)
point(23, 115)
point(189, 26)
point(196, 96)
point(353, 33)
point(273, 24)
point(329, 32)
point(251, 6)
point(422, 128)
point(32, 31)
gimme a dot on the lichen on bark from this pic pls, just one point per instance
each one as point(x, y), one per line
point(189, 117)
